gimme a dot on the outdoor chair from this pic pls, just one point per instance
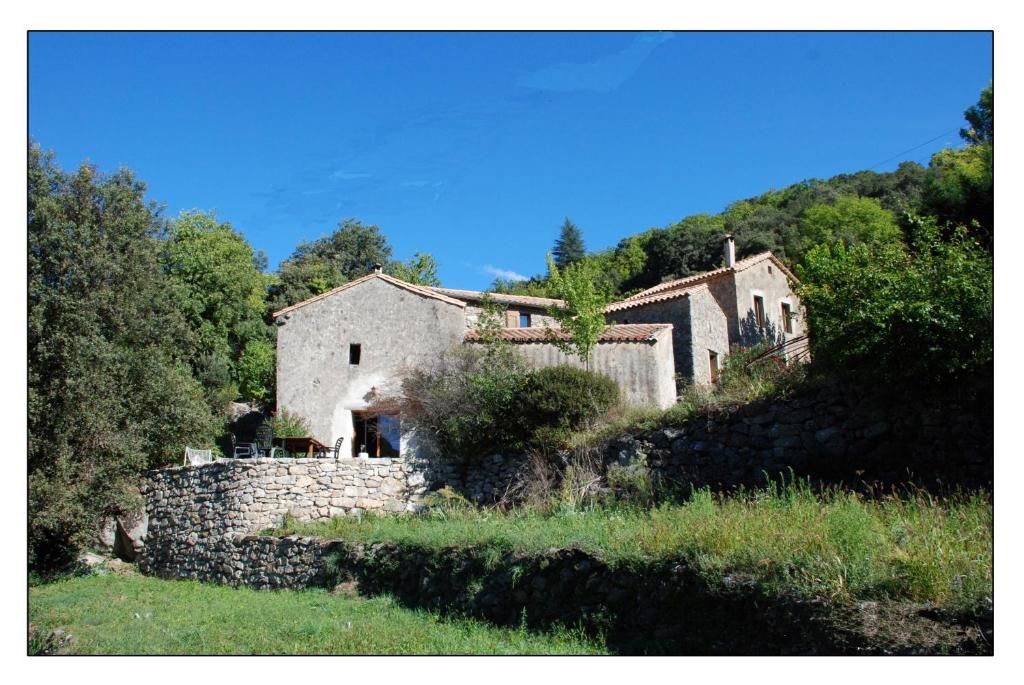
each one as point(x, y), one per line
point(194, 457)
point(265, 441)
point(243, 450)
point(337, 447)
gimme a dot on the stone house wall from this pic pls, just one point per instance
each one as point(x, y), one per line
point(698, 325)
point(538, 317)
point(642, 370)
point(397, 329)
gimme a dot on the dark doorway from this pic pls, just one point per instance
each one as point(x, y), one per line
point(379, 435)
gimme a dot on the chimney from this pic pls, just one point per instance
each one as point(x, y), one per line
point(377, 268)
point(729, 251)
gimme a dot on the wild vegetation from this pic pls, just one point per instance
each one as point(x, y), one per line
point(132, 614)
point(836, 545)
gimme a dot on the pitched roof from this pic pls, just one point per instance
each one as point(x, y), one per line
point(741, 265)
point(522, 300)
point(656, 297)
point(418, 289)
point(629, 332)
point(680, 287)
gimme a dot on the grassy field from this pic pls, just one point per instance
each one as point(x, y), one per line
point(133, 614)
point(839, 546)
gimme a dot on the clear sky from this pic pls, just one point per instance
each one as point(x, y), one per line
point(475, 146)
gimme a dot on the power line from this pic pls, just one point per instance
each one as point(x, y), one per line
point(900, 154)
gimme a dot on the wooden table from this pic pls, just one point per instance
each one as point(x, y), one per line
point(306, 444)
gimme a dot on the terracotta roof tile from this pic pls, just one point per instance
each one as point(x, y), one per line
point(680, 287)
point(630, 332)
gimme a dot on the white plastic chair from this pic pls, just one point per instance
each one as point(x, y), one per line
point(194, 457)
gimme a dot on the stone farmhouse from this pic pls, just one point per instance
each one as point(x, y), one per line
point(340, 351)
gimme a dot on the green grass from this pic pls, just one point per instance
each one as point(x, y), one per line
point(133, 614)
point(838, 546)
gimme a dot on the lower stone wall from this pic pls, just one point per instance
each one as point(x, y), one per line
point(645, 607)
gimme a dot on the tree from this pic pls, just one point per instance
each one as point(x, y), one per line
point(851, 220)
point(349, 253)
point(582, 316)
point(569, 247)
point(690, 246)
point(981, 129)
point(110, 391)
point(921, 313)
point(222, 293)
point(420, 269)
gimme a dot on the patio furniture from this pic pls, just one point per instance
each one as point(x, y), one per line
point(194, 457)
point(301, 444)
point(243, 450)
point(265, 441)
point(337, 447)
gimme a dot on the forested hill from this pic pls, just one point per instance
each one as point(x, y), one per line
point(954, 189)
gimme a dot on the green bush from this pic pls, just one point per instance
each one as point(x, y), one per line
point(468, 401)
point(560, 399)
point(482, 401)
point(288, 425)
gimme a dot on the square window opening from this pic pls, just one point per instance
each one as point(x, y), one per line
point(524, 321)
point(355, 353)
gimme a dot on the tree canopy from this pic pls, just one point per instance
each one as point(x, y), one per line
point(569, 247)
point(110, 392)
point(350, 252)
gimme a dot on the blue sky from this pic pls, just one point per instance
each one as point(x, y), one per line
point(475, 146)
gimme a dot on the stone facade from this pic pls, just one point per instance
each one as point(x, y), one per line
point(396, 328)
point(698, 327)
point(713, 313)
point(643, 369)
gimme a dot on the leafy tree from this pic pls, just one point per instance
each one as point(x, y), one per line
point(421, 269)
point(256, 371)
point(110, 392)
point(981, 129)
point(851, 220)
point(349, 253)
point(569, 247)
point(959, 189)
point(583, 314)
point(690, 246)
point(921, 314)
point(222, 293)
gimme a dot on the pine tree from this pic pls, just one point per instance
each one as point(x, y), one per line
point(569, 247)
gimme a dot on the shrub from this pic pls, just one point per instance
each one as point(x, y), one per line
point(288, 425)
point(560, 399)
point(482, 401)
point(468, 401)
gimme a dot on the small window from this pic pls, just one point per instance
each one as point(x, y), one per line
point(787, 317)
point(759, 311)
point(355, 351)
point(524, 320)
point(713, 359)
point(769, 269)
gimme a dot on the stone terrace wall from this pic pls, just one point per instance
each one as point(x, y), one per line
point(835, 434)
point(651, 607)
point(240, 496)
